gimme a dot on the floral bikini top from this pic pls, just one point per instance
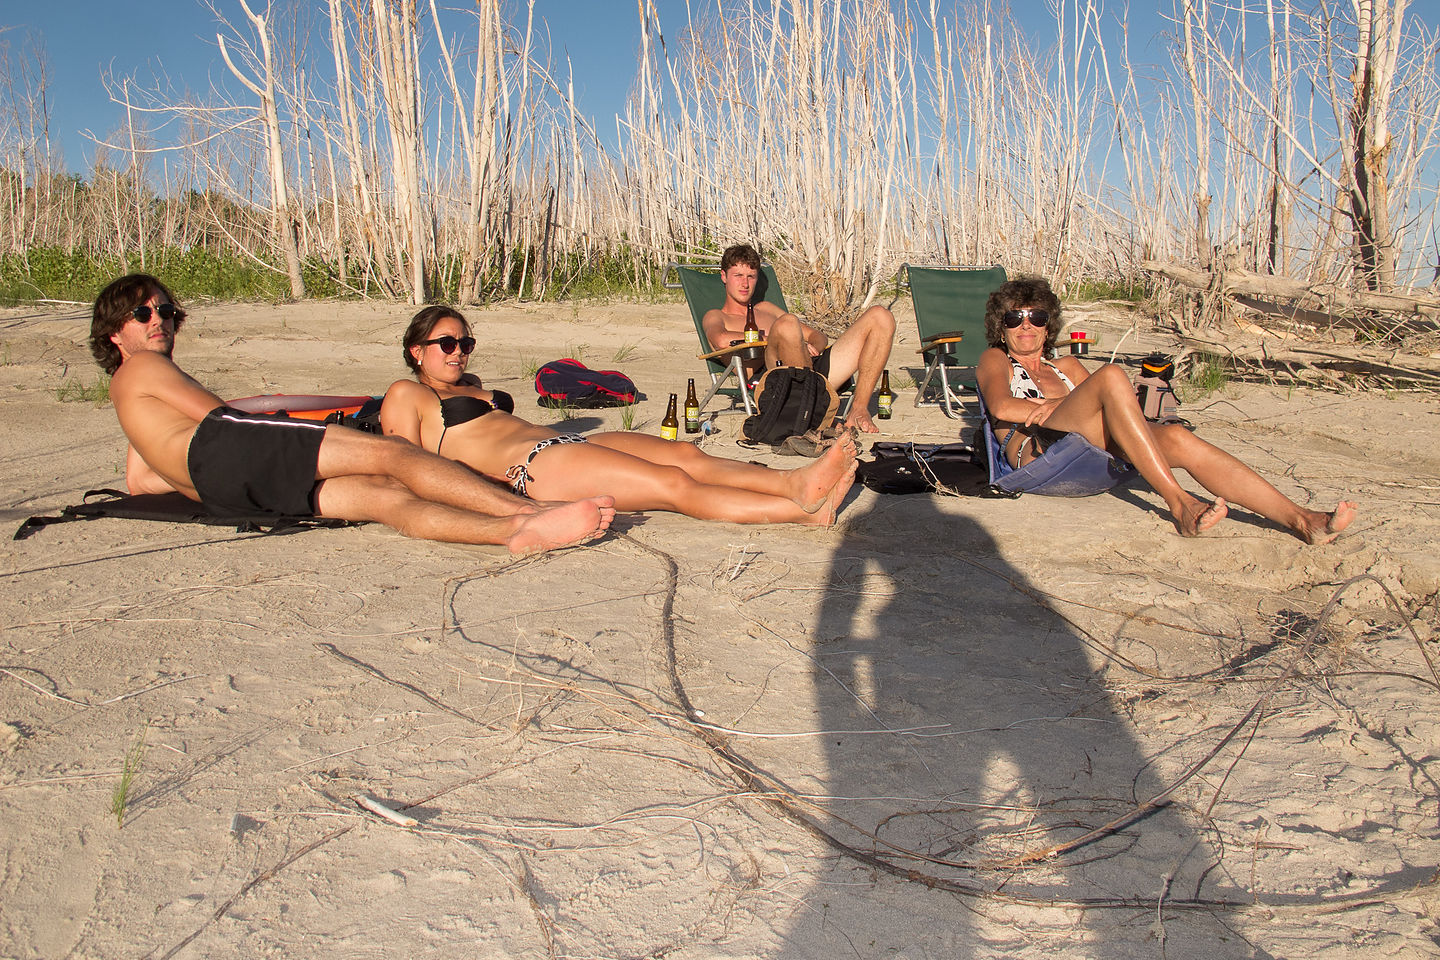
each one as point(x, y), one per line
point(1025, 388)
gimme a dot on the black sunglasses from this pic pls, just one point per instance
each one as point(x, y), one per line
point(1037, 318)
point(448, 344)
point(167, 311)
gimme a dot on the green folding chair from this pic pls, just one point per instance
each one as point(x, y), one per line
point(950, 313)
point(704, 292)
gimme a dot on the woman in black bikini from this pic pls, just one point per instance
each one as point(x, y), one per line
point(1029, 395)
point(448, 411)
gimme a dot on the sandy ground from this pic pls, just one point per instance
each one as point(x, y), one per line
point(702, 740)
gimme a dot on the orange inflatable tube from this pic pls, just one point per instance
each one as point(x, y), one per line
point(305, 406)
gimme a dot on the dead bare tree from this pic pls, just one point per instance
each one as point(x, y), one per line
point(1378, 31)
point(282, 215)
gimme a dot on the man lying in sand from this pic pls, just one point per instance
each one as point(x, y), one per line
point(183, 438)
point(1032, 400)
point(861, 351)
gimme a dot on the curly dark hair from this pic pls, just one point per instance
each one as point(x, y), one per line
point(113, 309)
point(740, 253)
point(421, 325)
point(1018, 294)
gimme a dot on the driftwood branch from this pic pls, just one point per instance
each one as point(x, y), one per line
point(1330, 296)
point(1425, 370)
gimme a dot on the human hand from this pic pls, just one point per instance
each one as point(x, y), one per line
point(1041, 412)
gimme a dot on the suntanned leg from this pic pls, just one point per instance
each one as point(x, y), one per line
point(1104, 411)
point(862, 351)
point(808, 485)
point(785, 344)
point(1222, 474)
point(388, 501)
point(583, 469)
point(347, 452)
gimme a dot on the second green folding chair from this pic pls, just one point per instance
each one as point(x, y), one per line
point(950, 314)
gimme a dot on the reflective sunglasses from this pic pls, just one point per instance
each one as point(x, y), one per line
point(167, 311)
point(1037, 318)
point(448, 344)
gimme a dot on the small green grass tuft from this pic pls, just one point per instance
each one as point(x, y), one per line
point(75, 390)
point(1207, 374)
point(529, 366)
point(120, 797)
point(627, 417)
point(626, 351)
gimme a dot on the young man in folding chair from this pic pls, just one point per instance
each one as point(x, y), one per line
point(183, 438)
point(861, 351)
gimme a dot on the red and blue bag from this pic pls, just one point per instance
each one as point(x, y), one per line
point(569, 383)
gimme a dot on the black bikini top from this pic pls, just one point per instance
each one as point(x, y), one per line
point(462, 409)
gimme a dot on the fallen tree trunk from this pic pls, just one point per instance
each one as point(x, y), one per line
point(1383, 363)
point(1332, 297)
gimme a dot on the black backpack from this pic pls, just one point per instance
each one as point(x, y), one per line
point(792, 401)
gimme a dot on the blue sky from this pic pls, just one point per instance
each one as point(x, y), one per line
point(176, 39)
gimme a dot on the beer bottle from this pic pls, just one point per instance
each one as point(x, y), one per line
point(752, 331)
point(885, 400)
point(670, 426)
point(692, 409)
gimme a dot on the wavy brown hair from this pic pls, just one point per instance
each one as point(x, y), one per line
point(740, 253)
point(113, 309)
point(1018, 294)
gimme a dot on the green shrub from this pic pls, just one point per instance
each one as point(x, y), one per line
point(1132, 291)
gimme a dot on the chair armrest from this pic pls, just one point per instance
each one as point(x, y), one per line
point(726, 352)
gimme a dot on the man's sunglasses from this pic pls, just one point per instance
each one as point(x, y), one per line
point(1037, 318)
point(167, 311)
point(447, 345)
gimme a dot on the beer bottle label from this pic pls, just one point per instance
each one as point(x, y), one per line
point(886, 405)
point(668, 431)
point(692, 418)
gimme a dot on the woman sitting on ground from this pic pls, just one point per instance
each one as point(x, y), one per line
point(448, 411)
point(1030, 398)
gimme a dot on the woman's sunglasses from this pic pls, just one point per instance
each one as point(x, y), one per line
point(1037, 318)
point(447, 344)
point(167, 311)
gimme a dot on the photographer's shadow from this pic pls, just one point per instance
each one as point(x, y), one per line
point(968, 730)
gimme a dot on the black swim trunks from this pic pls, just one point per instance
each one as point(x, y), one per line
point(249, 464)
point(820, 363)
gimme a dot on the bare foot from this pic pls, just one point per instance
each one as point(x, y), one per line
point(860, 420)
point(1197, 516)
point(829, 509)
point(562, 526)
point(812, 483)
point(1324, 527)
